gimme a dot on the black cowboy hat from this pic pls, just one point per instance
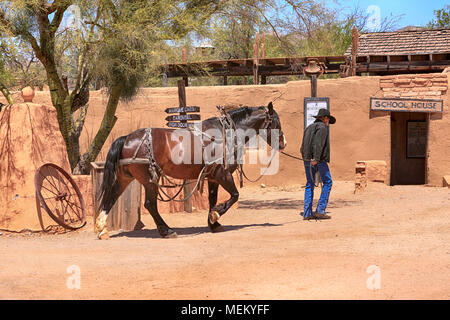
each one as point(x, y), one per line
point(326, 113)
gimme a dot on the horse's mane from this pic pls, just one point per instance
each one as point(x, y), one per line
point(239, 113)
point(243, 112)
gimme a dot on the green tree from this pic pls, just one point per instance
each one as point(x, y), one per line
point(442, 18)
point(5, 79)
point(21, 64)
point(116, 40)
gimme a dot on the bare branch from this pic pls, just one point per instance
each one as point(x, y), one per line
point(61, 7)
point(267, 20)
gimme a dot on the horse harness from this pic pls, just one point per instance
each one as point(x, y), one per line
point(156, 173)
point(228, 123)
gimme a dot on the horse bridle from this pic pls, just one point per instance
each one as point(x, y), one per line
point(269, 119)
point(226, 116)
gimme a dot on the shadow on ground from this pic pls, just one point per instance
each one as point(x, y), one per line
point(290, 204)
point(270, 204)
point(188, 231)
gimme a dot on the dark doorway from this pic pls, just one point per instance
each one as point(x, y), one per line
point(409, 136)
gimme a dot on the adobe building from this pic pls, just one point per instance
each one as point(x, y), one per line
point(413, 102)
point(397, 117)
point(391, 104)
point(361, 133)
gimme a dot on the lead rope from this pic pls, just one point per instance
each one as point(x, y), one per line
point(317, 174)
point(242, 172)
point(201, 176)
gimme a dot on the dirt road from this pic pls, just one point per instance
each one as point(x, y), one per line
point(394, 238)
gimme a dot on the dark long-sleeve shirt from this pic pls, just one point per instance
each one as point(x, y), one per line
point(316, 142)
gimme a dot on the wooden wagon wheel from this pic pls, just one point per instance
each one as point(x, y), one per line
point(59, 195)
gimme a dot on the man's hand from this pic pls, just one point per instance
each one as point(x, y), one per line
point(313, 162)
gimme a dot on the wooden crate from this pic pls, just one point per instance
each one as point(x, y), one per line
point(126, 212)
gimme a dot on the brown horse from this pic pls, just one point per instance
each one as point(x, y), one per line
point(159, 146)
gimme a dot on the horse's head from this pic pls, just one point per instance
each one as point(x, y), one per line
point(260, 120)
point(272, 124)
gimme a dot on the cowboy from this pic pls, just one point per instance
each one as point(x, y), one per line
point(315, 152)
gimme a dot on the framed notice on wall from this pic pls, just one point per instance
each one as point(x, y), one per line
point(312, 107)
point(416, 139)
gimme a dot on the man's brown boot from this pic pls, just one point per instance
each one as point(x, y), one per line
point(321, 216)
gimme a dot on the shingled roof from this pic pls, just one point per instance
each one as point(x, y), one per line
point(426, 41)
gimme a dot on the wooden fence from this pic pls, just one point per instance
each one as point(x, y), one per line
point(126, 213)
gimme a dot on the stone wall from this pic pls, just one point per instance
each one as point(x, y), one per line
point(423, 86)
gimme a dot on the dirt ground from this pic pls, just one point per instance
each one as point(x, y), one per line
point(266, 252)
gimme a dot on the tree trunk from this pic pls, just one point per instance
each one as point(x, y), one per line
point(108, 122)
point(6, 93)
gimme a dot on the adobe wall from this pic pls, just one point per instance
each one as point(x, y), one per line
point(427, 86)
point(352, 137)
point(26, 132)
point(358, 134)
point(439, 144)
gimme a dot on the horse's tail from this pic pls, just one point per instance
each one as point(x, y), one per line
point(108, 189)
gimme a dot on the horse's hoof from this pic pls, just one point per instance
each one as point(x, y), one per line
point(97, 228)
point(213, 217)
point(217, 229)
point(170, 235)
point(100, 223)
point(103, 235)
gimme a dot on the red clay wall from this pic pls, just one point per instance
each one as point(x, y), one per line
point(439, 144)
point(358, 134)
point(26, 132)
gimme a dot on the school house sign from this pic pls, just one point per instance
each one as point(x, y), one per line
point(406, 105)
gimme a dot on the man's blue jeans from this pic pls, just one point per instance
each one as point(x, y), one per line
point(327, 182)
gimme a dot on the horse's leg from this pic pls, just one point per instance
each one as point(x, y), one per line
point(120, 184)
point(225, 179)
point(151, 204)
point(141, 173)
point(213, 189)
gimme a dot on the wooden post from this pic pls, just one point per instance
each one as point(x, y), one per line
point(165, 72)
point(313, 79)
point(263, 79)
point(182, 103)
point(255, 60)
point(181, 94)
point(184, 59)
point(355, 47)
point(263, 56)
point(184, 55)
point(126, 212)
point(263, 46)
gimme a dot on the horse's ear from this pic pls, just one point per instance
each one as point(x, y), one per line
point(270, 107)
